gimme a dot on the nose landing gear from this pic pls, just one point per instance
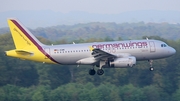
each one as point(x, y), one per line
point(151, 66)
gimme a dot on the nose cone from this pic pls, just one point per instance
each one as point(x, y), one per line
point(172, 51)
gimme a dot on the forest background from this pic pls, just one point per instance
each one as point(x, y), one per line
point(22, 80)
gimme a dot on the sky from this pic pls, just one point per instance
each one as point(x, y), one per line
point(90, 6)
point(24, 10)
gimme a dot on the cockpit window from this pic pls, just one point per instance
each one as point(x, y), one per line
point(163, 45)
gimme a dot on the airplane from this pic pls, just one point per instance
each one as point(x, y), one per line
point(116, 54)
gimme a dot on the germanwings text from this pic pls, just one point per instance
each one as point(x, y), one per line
point(121, 45)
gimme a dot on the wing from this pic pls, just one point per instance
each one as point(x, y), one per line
point(102, 55)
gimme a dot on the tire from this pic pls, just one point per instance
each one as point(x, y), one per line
point(100, 72)
point(151, 68)
point(92, 72)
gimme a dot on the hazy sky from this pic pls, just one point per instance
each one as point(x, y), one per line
point(91, 6)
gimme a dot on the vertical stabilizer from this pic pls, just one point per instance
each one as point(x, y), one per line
point(27, 45)
point(22, 37)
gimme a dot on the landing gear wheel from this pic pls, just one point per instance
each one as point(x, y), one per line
point(92, 72)
point(151, 65)
point(100, 72)
point(151, 68)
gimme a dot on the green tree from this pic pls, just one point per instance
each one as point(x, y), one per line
point(176, 95)
point(41, 93)
point(151, 93)
point(10, 93)
point(131, 93)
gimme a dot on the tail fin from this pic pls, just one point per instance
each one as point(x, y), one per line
point(22, 37)
point(27, 45)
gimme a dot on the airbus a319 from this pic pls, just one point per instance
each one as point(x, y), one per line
point(116, 54)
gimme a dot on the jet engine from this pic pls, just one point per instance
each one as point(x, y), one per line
point(123, 62)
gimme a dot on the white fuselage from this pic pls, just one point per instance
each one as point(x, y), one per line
point(140, 49)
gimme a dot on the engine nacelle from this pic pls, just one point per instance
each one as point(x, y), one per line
point(123, 62)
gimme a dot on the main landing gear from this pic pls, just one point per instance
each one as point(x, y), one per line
point(151, 67)
point(100, 71)
point(93, 72)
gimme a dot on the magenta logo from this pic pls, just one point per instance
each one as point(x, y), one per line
point(120, 45)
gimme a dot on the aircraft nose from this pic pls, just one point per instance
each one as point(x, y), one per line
point(172, 51)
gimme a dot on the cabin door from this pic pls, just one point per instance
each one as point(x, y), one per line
point(152, 46)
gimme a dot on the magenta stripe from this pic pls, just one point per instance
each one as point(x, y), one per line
point(33, 41)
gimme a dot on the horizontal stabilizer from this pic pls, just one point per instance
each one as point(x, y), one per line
point(24, 52)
